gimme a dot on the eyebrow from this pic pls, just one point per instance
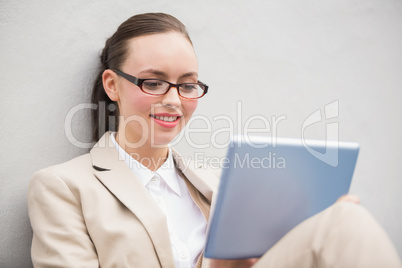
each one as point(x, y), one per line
point(163, 74)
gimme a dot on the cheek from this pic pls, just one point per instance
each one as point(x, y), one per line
point(136, 104)
point(141, 105)
point(189, 107)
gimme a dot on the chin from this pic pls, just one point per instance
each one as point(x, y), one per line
point(162, 141)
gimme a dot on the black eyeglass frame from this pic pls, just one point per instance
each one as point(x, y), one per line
point(138, 82)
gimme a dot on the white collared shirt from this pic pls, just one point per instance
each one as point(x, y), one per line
point(186, 223)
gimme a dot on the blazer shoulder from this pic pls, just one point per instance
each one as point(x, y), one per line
point(73, 171)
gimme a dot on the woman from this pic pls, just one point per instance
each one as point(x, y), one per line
point(132, 201)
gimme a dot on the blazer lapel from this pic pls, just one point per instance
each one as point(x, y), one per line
point(115, 175)
point(204, 180)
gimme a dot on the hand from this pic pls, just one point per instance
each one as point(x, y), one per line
point(349, 198)
point(242, 263)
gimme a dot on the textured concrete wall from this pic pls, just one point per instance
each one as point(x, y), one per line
point(279, 58)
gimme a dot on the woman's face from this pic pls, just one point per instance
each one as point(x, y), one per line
point(148, 119)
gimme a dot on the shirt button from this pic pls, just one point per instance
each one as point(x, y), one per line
point(154, 180)
point(183, 255)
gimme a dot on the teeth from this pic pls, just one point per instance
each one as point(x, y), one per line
point(166, 118)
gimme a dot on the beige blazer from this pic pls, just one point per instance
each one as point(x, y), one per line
point(92, 211)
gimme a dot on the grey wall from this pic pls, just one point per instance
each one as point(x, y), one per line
point(274, 58)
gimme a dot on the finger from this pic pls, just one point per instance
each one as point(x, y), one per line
point(350, 198)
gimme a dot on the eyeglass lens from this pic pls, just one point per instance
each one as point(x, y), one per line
point(188, 90)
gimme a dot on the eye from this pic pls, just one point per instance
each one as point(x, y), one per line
point(154, 84)
point(189, 87)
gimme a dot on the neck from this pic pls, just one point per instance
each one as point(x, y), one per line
point(150, 156)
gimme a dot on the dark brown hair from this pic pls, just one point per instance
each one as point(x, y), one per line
point(105, 117)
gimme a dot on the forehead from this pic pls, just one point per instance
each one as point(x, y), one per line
point(168, 52)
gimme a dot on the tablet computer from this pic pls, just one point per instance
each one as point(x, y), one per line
point(268, 186)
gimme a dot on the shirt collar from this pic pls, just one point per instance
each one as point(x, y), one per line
point(167, 172)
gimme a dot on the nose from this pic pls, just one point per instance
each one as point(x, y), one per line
point(172, 98)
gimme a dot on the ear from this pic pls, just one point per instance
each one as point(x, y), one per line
point(110, 84)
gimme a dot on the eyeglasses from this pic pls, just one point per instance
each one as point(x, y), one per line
point(158, 87)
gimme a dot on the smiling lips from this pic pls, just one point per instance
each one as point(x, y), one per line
point(166, 120)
